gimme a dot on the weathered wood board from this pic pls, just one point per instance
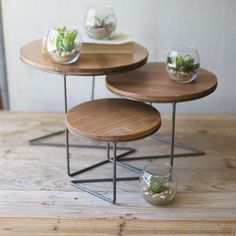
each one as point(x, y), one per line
point(36, 197)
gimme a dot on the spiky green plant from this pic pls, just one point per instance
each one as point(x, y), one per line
point(183, 63)
point(157, 184)
point(65, 41)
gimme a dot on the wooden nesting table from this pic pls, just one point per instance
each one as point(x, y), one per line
point(87, 65)
point(151, 83)
point(112, 121)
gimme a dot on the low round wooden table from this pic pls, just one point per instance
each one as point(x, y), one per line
point(87, 65)
point(151, 83)
point(112, 121)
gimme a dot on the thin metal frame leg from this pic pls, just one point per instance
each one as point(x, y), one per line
point(36, 141)
point(93, 88)
point(193, 151)
point(77, 183)
point(172, 135)
point(114, 179)
point(71, 174)
point(114, 173)
point(171, 142)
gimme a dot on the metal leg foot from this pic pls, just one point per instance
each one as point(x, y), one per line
point(38, 142)
point(113, 160)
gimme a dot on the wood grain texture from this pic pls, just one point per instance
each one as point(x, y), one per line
point(152, 83)
point(113, 120)
point(36, 197)
point(104, 227)
point(87, 64)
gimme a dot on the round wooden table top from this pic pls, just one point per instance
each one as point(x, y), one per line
point(87, 64)
point(113, 120)
point(152, 83)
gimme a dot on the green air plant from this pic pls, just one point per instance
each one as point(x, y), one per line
point(100, 22)
point(103, 22)
point(65, 41)
point(183, 63)
point(157, 184)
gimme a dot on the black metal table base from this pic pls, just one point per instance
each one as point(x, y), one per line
point(191, 151)
point(115, 161)
point(37, 142)
point(158, 138)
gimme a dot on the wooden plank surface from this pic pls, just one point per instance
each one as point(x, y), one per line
point(105, 227)
point(36, 197)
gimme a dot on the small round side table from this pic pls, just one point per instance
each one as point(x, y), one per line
point(112, 121)
point(151, 83)
point(87, 65)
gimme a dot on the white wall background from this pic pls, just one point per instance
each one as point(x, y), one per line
point(210, 25)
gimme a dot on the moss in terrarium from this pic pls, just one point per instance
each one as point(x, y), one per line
point(183, 63)
point(101, 22)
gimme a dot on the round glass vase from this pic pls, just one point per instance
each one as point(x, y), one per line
point(63, 45)
point(158, 184)
point(100, 22)
point(182, 63)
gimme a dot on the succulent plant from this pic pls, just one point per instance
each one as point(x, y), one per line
point(182, 63)
point(157, 184)
point(65, 41)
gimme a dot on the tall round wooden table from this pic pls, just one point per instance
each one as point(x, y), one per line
point(87, 65)
point(151, 83)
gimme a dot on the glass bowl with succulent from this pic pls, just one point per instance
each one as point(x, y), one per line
point(183, 63)
point(158, 184)
point(64, 45)
point(100, 22)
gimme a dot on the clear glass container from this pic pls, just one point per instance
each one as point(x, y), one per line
point(63, 45)
point(182, 63)
point(100, 22)
point(158, 184)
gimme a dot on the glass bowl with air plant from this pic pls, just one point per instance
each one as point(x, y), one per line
point(100, 22)
point(158, 184)
point(183, 63)
point(64, 45)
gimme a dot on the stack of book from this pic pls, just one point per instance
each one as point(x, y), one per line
point(120, 43)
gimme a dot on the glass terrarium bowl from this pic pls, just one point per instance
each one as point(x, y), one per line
point(100, 22)
point(63, 45)
point(182, 63)
point(158, 184)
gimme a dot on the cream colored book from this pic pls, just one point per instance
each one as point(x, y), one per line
point(120, 43)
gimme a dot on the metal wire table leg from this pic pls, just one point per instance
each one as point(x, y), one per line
point(93, 88)
point(193, 151)
point(114, 179)
point(171, 142)
point(37, 141)
point(68, 160)
point(172, 135)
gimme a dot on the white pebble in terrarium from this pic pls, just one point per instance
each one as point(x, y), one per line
point(183, 63)
point(100, 22)
point(158, 184)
